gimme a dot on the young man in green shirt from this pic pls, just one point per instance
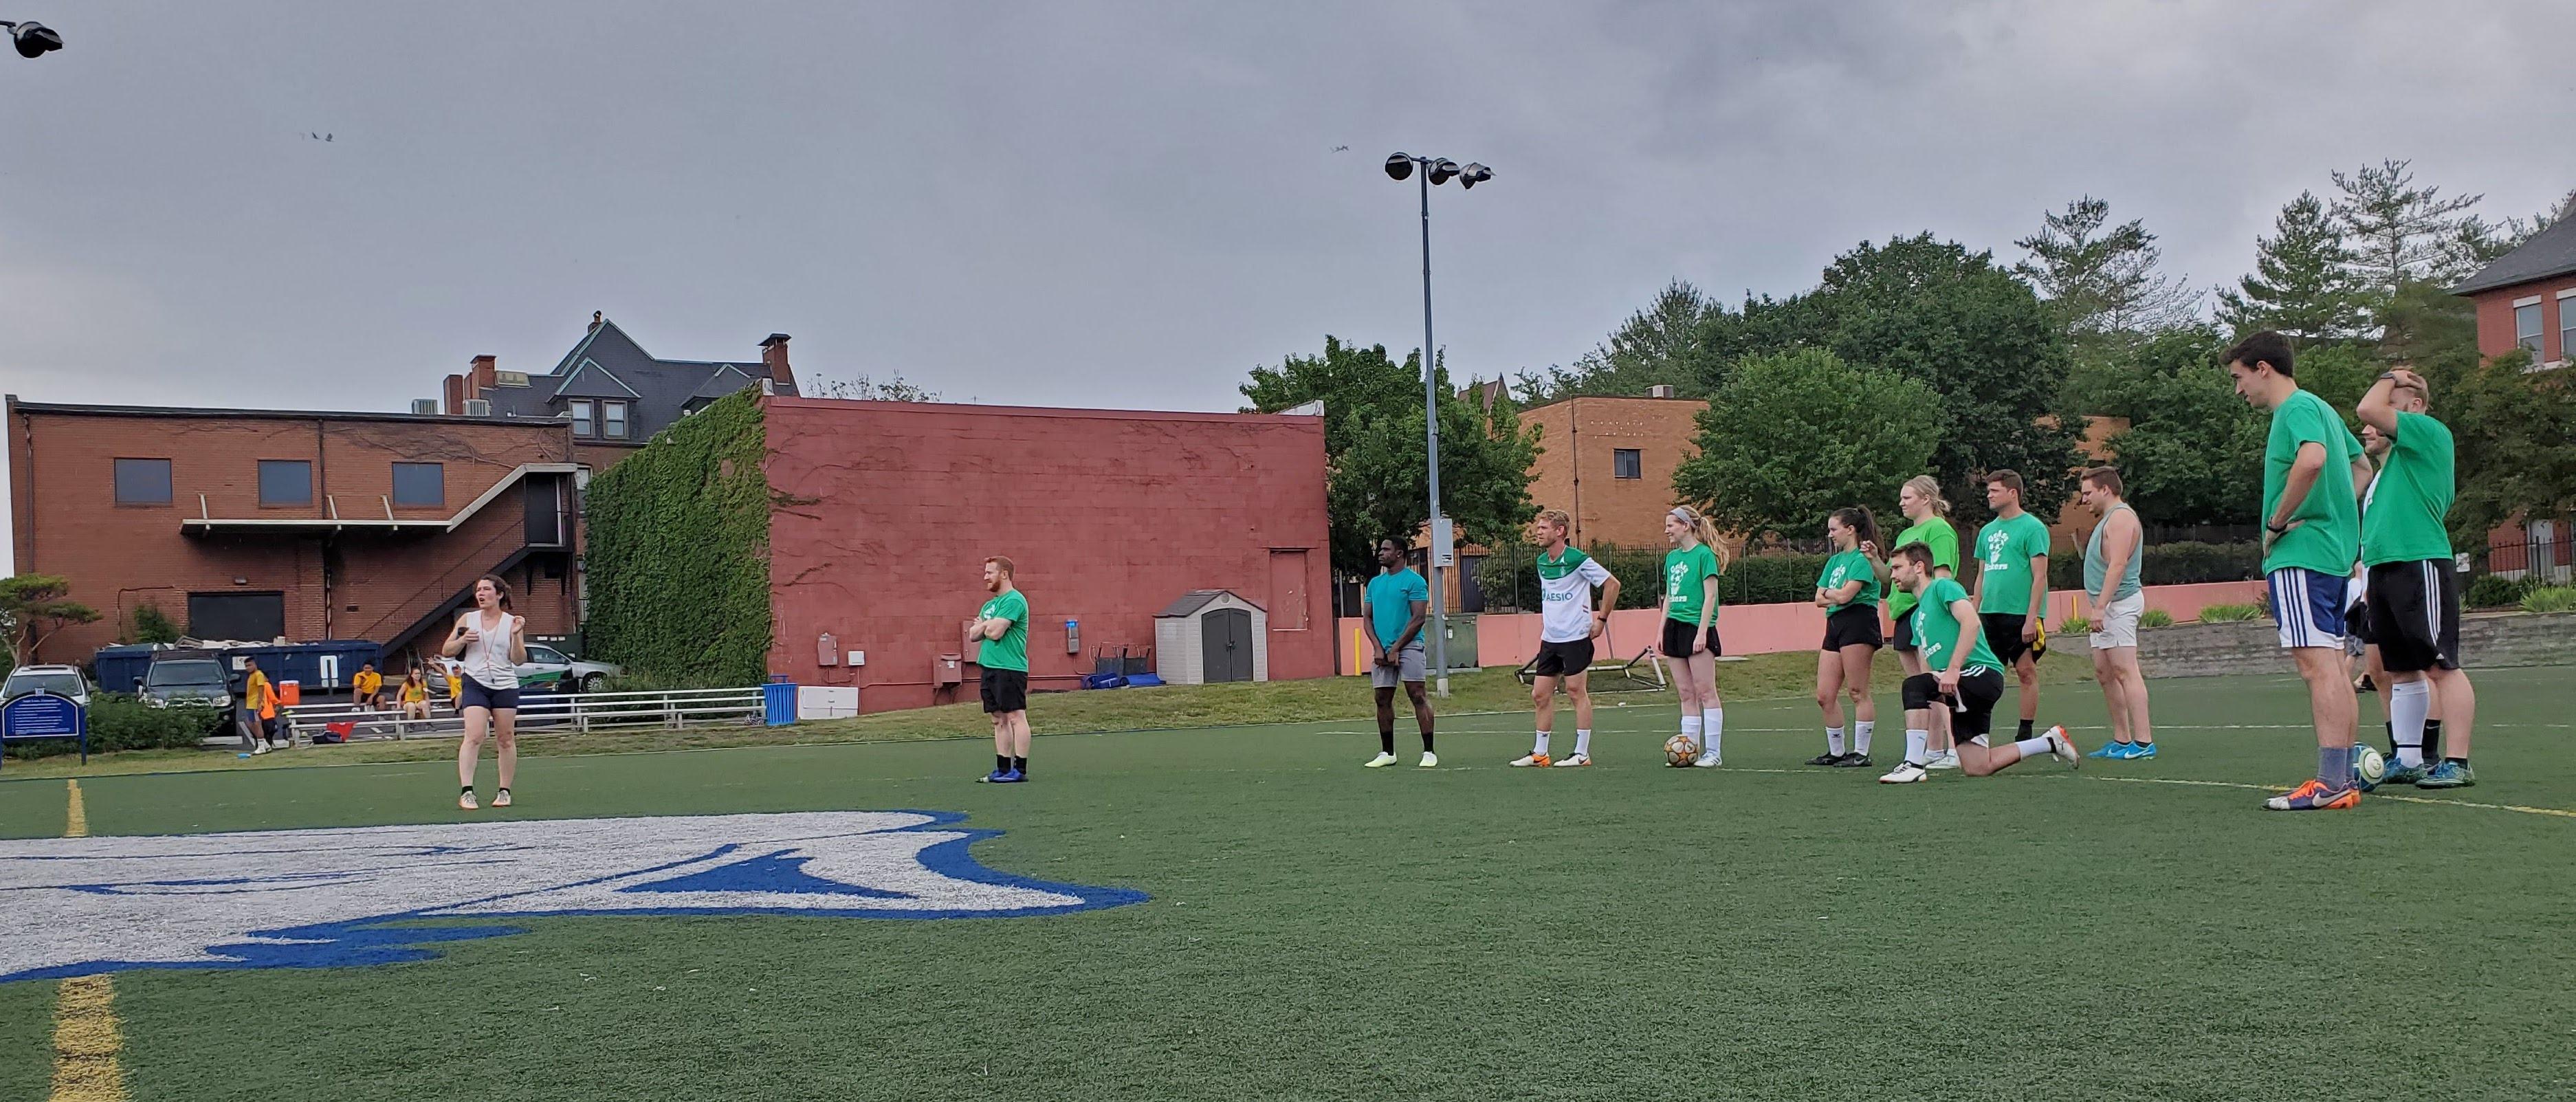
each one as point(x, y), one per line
point(2312, 534)
point(1964, 677)
point(1001, 628)
point(2012, 585)
point(1394, 606)
point(2413, 591)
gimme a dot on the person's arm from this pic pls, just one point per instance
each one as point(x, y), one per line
point(2378, 408)
point(1421, 612)
point(2038, 595)
point(1609, 600)
point(1707, 604)
point(1965, 612)
point(1842, 594)
point(1977, 593)
point(458, 637)
point(2304, 470)
point(2121, 542)
point(518, 640)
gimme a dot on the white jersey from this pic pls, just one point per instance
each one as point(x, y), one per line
point(1565, 595)
point(487, 657)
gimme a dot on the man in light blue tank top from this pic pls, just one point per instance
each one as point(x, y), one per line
point(2113, 601)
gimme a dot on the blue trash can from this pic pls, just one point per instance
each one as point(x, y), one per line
point(778, 701)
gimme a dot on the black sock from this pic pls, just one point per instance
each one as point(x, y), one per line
point(2457, 761)
point(1386, 741)
point(467, 788)
point(2392, 734)
point(2025, 727)
point(1020, 765)
point(2432, 737)
point(1001, 763)
point(1426, 742)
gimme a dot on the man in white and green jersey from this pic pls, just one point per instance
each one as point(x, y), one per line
point(1965, 678)
point(2012, 585)
point(1568, 623)
point(1001, 630)
point(2414, 599)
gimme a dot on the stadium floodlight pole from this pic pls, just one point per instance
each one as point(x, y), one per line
point(1435, 170)
point(32, 39)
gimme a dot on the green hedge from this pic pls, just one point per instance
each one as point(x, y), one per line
point(2178, 563)
point(118, 721)
point(678, 559)
point(2494, 591)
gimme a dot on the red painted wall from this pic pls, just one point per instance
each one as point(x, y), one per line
point(885, 512)
point(2495, 317)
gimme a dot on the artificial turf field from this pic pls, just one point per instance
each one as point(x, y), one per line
point(1320, 931)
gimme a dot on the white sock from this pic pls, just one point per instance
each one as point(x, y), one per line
point(1713, 723)
point(1690, 730)
point(1833, 740)
point(1541, 746)
point(2033, 747)
point(1583, 741)
point(1860, 734)
point(2408, 703)
point(1916, 739)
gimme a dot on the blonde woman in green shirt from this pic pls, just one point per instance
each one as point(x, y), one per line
point(1927, 522)
point(1848, 589)
point(1691, 570)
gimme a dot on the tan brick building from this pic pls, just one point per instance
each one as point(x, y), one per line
point(1609, 463)
point(258, 524)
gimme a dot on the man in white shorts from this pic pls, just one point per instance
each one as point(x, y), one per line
point(2114, 601)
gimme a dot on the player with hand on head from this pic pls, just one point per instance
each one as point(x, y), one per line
point(2413, 591)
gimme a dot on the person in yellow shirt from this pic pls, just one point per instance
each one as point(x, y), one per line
point(455, 687)
point(414, 695)
point(367, 690)
point(259, 708)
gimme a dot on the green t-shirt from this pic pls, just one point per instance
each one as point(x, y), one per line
point(1686, 575)
point(1011, 651)
point(1846, 567)
point(1936, 630)
point(2411, 496)
point(2004, 550)
point(1936, 534)
point(2328, 534)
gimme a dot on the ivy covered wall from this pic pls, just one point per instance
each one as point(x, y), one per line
point(678, 556)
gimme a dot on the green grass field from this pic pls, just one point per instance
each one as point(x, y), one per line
point(1319, 931)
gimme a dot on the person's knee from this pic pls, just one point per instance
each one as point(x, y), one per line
point(1541, 694)
point(1826, 695)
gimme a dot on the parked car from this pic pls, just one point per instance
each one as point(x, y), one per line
point(548, 666)
point(58, 680)
point(183, 681)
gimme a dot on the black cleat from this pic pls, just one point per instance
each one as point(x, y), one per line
point(1853, 760)
point(1827, 759)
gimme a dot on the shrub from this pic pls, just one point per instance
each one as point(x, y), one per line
point(2495, 591)
point(151, 625)
point(2074, 625)
point(1769, 579)
point(644, 681)
point(2155, 618)
point(121, 722)
point(678, 558)
point(2188, 563)
point(2230, 614)
point(2552, 598)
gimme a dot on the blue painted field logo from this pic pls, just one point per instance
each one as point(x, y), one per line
point(376, 895)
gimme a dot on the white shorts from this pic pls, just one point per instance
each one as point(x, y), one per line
point(2119, 626)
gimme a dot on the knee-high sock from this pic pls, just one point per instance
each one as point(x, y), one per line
point(1712, 730)
point(2408, 703)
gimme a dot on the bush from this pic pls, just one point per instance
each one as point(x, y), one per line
point(2230, 614)
point(641, 681)
point(2552, 598)
point(2074, 625)
point(1770, 579)
point(2155, 618)
point(2494, 591)
point(121, 722)
point(2188, 563)
point(151, 625)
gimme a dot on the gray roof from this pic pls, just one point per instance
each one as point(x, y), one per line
point(608, 363)
point(1196, 599)
point(2551, 252)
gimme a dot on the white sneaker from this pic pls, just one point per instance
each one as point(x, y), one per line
point(1572, 760)
point(2064, 748)
point(501, 798)
point(1531, 760)
point(1429, 760)
point(259, 748)
point(1381, 761)
point(1946, 759)
point(465, 800)
point(1905, 773)
point(1708, 760)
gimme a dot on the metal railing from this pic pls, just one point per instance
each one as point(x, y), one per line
point(670, 709)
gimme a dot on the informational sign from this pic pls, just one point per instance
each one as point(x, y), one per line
point(45, 715)
point(1444, 548)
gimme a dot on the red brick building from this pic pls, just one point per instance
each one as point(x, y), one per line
point(886, 511)
point(2526, 299)
point(256, 524)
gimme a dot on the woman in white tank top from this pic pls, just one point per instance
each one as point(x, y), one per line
point(489, 643)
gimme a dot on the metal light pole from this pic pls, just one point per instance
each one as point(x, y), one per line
point(1435, 170)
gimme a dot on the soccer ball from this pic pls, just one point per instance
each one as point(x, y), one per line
point(1680, 751)
point(2368, 768)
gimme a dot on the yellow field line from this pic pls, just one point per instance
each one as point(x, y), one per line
point(86, 1036)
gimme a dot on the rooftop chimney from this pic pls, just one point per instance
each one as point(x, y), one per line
point(597, 317)
point(773, 355)
point(482, 377)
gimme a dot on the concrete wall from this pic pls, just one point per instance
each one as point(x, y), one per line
point(1575, 470)
point(2487, 640)
point(885, 512)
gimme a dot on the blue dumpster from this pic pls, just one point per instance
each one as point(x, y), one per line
point(778, 702)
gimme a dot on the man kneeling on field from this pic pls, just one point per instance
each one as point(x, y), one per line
point(1961, 673)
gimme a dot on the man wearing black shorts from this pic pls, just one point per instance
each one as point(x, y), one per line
point(1964, 676)
point(1568, 624)
point(1001, 630)
point(2413, 590)
point(2012, 585)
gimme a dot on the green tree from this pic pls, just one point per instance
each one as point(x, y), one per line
point(2193, 450)
point(2102, 282)
point(1655, 346)
point(1373, 440)
point(2303, 283)
point(865, 389)
point(1795, 436)
point(2516, 456)
point(2399, 232)
point(151, 625)
point(33, 607)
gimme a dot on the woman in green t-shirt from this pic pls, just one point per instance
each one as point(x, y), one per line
point(1691, 570)
point(1847, 589)
point(1926, 522)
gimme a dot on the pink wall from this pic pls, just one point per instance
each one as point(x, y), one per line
point(1512, 640)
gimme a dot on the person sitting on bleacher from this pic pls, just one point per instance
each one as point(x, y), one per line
point(415, 695)
point(367, 690)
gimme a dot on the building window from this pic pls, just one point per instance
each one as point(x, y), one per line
point(582, 424)
point(1625, 463)
point(2526, 326)
point(2567, 324)
point(286, 482)
point(143, 482)
point(420, 485)
point(612, 420)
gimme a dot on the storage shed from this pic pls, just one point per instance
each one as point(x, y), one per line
point(1211, 635)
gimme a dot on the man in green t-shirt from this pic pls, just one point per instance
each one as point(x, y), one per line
point(1001, 631)
point(2413, 601)
point(2012, 585)
point(2312, 534)
point(1964, 677)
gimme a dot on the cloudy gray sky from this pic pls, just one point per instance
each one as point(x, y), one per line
point(1132, 204)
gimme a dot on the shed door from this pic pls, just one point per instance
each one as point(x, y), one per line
point(1225, 641)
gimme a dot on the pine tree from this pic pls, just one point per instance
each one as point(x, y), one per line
point(2397, 231)
point(2302, 283)
point(2103, 282)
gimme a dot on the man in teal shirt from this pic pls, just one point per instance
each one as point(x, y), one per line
point(2414, 598)
point(2312, 535)
point(1394, 605)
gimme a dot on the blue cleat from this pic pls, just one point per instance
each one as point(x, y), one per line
point(2143, 750)
point(2111, 750)
point(2406, 774)
point(1012, 777)
point(994, 777)
point(2449, 774)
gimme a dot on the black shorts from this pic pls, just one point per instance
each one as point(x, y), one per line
point(2415, 615)
point(2356, 624)
point(2003, 633)
point(1562, 659)
point(1006, 691)
point(1677, 639)
point(1904, 641)
point(1855, 625)
point(1974, 712)
point(478, 695)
